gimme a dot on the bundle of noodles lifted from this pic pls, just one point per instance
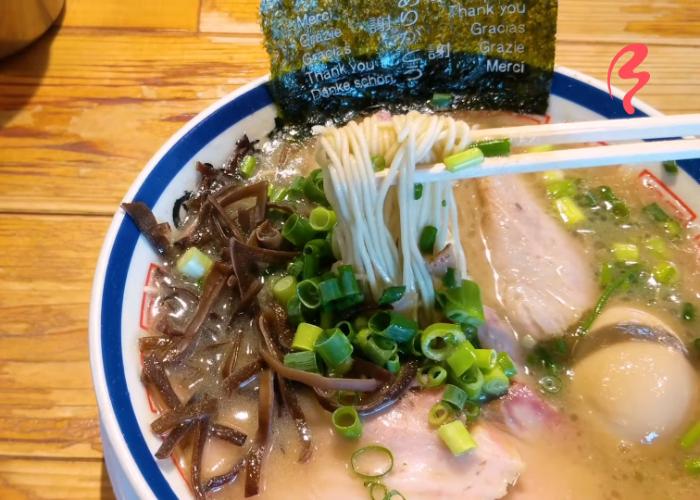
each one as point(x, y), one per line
point(316, 333)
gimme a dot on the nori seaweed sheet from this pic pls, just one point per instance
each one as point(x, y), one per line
point(400, 71)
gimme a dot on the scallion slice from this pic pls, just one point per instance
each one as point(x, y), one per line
point(440, 413)
point(670, 167)
point(322, 219)
point(306, 336)
point(417, 191)
point(665, 272)
point(471, 411)
point(692, 465)
point(313, 187)
point(485, 358)
point(471, 382)
point(462, 358)
point(457, 438)
point(347, 423)
point(495, 382)
point(441, 100)
point(309, 293)
point(304, 360)
point(377, 348)
point(194, 264)
point(454, 396)
point(378, 163)
point(294, 313)
point(393, 325)
point(494, 147)
point(431, 376)
point(506, 364)
point(330, 291)
point(468, 158)
point(247, 168)
point(297, 230)
point(691, 436)
point(284, 289)
point(393, 364)
point(688, 311)
point(438, 339)
point(334, 348)
point(371, 462)
point(376, 485)
point(625, 252)
point(426, 242)
point(569, 212)
point(462, 304)
point(391, 295)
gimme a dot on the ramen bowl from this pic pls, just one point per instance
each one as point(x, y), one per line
point(119, 308)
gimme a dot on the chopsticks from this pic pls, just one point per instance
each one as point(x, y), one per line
point(579, 157)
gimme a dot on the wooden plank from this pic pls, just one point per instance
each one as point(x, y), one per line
point(134, 14)
point(229, 16)
point(673, 22)
point(54, 479)
point(75, 134)
point(47, 403)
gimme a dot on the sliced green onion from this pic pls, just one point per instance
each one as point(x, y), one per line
point(494, 147)
point(326, 318)
point(673, 228)
point(303, 360)
point(330, 291)
point(364, 461)
point(347, 328)
point(372, 485)
point(670, 167)
point(194, 264)
point(462, 304)
point(347, 423)
point(247, 168)
point(657, 246)
point(563, 187)
point(485, 358)
point(394, 325)
point(468, 158)
point(549, 176)
point(334, 348)
point(506, 364)
point(471, 382)
point(305, 337)
point(630, 274)
point(313, 187)
point(309, 293)
point(431, 376)
point(426, 242)
point(462, 358)
point(495, 382)
point(284, 289)
point(692, 465)
point(417, 191)
point(455, 396)
point(665, 272)
point(569, 211)
point(294, 314)
point(393, 364)
point(296, 267)
point(691, 437)
point(471, 411)
point(440, 413)
point(391, 295)
point(376, 348)
point(322, 219)
point(625, 252)
point(275, 194)
point(378, 163)
point(450, 278)
point(348, 281)
point(360, 322)
point(297, 230)
point(550, 383)
point(393, 494)
point(457, 438)
point(441, 100)
point(618, 207)
point(688, 311)
point(439, 338)
point(656, 213)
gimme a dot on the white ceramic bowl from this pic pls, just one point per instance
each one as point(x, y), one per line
point(122, 270)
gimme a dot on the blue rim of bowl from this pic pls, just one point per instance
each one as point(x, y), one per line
point(565, 86)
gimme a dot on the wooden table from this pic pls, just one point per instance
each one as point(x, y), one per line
point(83, 109)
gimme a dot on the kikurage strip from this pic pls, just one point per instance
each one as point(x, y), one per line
point(229, 434)
point(243, 374)
point(256, 453)
point(158, 234)
point(190, 412)
point(173, 438)
point(223, 479)
point(199, 439)
point(154, 372)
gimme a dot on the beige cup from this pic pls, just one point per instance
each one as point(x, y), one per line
point(23, 21)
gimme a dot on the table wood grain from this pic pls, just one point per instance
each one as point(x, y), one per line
point(84, 108)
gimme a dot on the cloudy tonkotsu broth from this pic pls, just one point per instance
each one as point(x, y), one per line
point(596, 409)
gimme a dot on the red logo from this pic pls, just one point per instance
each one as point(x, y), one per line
point(639, 53)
